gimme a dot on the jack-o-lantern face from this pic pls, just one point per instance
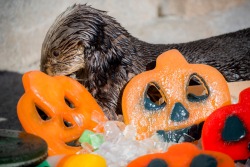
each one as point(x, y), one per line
point(227, 129)
point(178, 108)
point(58, 109)
point(184, 155)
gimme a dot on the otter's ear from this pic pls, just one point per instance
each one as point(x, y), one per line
point(80, 43)
point(80, 47)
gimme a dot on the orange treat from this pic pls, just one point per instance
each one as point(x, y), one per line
point(58, 109)
point(161, 99)
point(183, 155)
point(82, 160)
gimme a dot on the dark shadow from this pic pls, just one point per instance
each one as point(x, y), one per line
point(11, 89)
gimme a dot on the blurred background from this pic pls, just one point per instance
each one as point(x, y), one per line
point(24, 23)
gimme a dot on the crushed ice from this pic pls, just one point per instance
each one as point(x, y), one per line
point(120, 145)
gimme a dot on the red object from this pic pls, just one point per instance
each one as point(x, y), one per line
point(227, 129)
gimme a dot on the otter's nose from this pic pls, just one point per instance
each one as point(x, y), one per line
point(49, 72)
point(179, 113)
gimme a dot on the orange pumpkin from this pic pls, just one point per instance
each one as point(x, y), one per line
point(179, 109)
point(82, 160)
point(58, 109)
point(183, 155)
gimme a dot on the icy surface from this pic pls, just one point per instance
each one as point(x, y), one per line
point(120, 145)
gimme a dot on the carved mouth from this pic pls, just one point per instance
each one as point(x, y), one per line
point(74, 143)
point(189, 134)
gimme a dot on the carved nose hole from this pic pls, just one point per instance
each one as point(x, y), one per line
point(69, 103)
point(153, 97)
point(179, 113)
point(196, 89)
point(42, 114)
point(67, 123)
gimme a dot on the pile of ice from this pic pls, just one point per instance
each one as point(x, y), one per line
point(120, 145)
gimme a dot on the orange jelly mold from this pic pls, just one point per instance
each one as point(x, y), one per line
point(160, 100)
point(58, 109)
point(183, 155)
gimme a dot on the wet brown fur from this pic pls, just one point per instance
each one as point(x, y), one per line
point(87, 44)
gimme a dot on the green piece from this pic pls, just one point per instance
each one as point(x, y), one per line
point(94, 139)
point(85, 137)
point(43, 164)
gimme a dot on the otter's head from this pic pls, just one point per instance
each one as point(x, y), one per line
point(82, 38)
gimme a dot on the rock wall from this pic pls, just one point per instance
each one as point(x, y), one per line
point(24, 23)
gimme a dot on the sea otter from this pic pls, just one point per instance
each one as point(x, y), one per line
point(92, 47)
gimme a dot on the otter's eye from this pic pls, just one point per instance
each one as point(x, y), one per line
point(56, 53)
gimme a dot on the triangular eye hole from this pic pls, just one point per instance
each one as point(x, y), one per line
point(153, 97)
point(196, 89)
point(234, 129)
